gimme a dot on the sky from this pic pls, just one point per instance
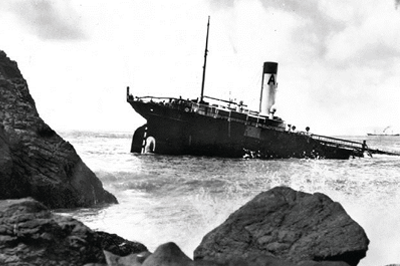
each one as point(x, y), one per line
point(338, 60)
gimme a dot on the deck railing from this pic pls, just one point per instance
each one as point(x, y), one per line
point(340, 142)
point(231, 112)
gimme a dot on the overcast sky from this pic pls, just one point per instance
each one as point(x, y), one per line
point(338, 73)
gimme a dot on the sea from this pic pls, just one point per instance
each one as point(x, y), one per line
point(182, 198)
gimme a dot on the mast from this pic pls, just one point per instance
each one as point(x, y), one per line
point(205, 62)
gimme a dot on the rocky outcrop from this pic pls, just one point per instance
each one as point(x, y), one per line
point(34, 160)
point(134, 259)
point(117, 245)
point(168, 254)
point(31, 235)
point(290, 225)
point(280, 227)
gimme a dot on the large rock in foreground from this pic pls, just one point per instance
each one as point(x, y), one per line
point(34, 160)
point(31, 235)
point(290, 225)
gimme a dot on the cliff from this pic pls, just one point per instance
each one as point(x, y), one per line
point(34, 160)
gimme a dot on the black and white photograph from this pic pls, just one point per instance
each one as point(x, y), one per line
point(200, 133)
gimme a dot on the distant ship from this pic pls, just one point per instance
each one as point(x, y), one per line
point(384, 133)
point(208, 126)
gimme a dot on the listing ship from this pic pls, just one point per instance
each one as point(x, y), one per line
point(208, 126)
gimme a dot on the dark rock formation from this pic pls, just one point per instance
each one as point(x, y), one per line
point(117, 245)
point(322, 263)
point(168, 254)
point(34, 160)
point(129, 260)
point(31, 235)
point(287, 224)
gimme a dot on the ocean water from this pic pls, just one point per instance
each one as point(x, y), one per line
point(181, 198)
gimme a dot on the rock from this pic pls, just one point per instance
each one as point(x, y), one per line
point(322, 263)
point(168, 254)
point(129, 260)
point(35, 161)
point(32, 235)
point(12, 185)
point(210, 263)
point(117, 245)
point(256, 260)
point(290, 225)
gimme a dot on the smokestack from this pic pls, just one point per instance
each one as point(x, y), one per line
point(268, 87)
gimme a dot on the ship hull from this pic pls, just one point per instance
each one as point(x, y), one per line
point(180, 132)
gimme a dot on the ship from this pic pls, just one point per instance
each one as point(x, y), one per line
point(384, 133)
point(209, 126)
